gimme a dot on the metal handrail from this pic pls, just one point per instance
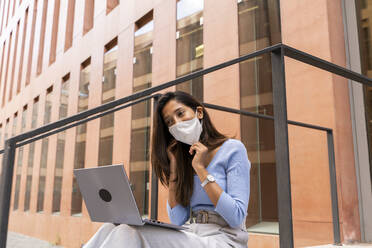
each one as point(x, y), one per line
point(278, 52)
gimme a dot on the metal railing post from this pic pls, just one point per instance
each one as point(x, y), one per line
point(282, 150)
point(6, 189)
point(333, 182)
point(154, 179)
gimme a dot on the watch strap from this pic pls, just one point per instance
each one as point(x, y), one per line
point(207, 180)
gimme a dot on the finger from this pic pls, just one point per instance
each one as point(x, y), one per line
point(193, 149)
point(194, 146)
point(200, 145)
point(196, 149)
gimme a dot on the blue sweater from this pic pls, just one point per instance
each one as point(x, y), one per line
point(230, 167)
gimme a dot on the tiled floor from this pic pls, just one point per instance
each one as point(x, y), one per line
point(16, 240)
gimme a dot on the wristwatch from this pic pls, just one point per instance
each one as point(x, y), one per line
point(209, 179)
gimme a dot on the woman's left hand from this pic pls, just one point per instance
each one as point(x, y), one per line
point(200, 159)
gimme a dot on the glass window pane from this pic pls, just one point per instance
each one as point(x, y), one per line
point(30, 166)
point(140, 128)
point(30, 160)
point(18, 177)
point(60, 153)
point(6, 130)
point(1, 135)
point(19, 162)
point(44, 154)
point(189, 45)
point(364, 22)
point(80, 139)
point(108, 94)
point(256, 32)
point(14, 128)
point(34, 113)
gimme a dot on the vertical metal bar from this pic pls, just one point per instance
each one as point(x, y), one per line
point(154, 180)
point(333, 182)
point(282, 150)
point(6, 189)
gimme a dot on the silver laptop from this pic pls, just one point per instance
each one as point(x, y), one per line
point(108, 196)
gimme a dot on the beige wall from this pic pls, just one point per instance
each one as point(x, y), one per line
point(320, 98)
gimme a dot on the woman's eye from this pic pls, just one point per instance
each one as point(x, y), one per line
point(180, 114)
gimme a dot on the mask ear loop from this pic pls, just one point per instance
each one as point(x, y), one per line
point(196, 115)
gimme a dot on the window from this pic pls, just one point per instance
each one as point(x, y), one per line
point(1, 143)
point(53, 44)
point(14, 126)
point(2, 60)
point(35, 110)
point(42, 38)
point(7, 14)
point(6, 68)
point(110, 5)
point(60, 153)
point(70, 24)
point(19, 162)
point(14, 62)
point(2, 16)
point(81, 131)
point(189, 45)
point(364, 8)
point(14, 4)
point(140, 128)
point(32, 39)
point(6, 130)
point(20, 71)
point(24, 118)
point(257, 30)
point(106, 134)
point(1, 133)
point(30, 160)
point(44, 152)
point(88, 16)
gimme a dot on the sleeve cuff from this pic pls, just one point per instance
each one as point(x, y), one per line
point(177, 214)
point(225, 207)
point(224, 204)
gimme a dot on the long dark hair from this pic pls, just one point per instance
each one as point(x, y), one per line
point(161, 139)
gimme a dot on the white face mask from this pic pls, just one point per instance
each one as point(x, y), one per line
point(187, 132)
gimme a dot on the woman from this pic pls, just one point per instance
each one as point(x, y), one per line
point(207, 176)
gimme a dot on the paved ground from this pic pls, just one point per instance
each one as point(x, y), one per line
point(16, 240)
point(344, 246)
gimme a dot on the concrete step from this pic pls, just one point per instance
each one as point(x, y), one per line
point(17, 240)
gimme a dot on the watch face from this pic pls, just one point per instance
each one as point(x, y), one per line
point(211, 178)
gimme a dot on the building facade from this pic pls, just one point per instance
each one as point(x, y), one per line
point(61, 57)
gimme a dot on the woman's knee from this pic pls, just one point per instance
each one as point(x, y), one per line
point(106, 227)
point(123, 234)
point(124, 228)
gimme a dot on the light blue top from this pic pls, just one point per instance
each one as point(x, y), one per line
point(230, 167)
